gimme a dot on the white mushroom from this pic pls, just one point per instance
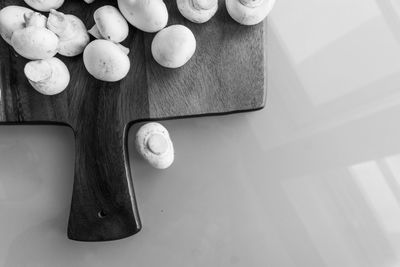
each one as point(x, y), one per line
point(249, 12)
point(71, 31)
point(148, 16)
point(154, 144)
point(106, 61)
point(198, 11)
point(44, 5)
point(12, 19)
point(111, 24)
point(35, 41)
point(173, 46)
point(47, 76)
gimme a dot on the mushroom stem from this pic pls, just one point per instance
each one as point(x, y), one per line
point(60, 25)
point(94, 31)
point(124, 49)
point(71, 31)
point(157, 144)
point(35, 19)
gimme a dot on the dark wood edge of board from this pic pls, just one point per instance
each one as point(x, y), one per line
point(47, 123)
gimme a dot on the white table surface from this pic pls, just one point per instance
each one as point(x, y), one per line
point(311, 180)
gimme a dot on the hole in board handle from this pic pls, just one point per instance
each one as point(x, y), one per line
point(101, 214)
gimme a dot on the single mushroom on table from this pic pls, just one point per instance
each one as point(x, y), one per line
point(173, 46)
point(249, 12)
point(71, 31)
point(44, 5)
point(148, 16)
point(47, 76)
point(198, 11)
point(154, 144)
point(35, 41)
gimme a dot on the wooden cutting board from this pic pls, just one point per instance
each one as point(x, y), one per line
point(226, 75)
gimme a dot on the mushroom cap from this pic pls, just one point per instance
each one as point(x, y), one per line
point(111, 24)
point(48, 76)
point(35, 43)
point(44, 5)
point(198, 11)
point(106, 61)
point(148, 16)
point(173, 46)
point(12, 19)
point(251, 13)
point(154, 144)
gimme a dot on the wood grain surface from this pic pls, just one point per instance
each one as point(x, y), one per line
point(225, 75)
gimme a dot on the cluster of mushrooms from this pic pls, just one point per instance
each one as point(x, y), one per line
point(39, 38)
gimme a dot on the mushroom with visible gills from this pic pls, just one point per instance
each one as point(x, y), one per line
point(173, 46)
point(249, 12)
point(47, 76)
point(198, 11)
point(154, 144)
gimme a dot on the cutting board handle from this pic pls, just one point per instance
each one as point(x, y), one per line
point(103, 203)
